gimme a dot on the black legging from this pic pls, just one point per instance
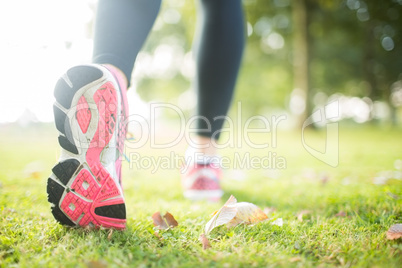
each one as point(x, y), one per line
point(122, 26)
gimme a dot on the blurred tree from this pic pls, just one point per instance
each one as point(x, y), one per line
point(301, 74)
point(342, 46)
point(266, 77)
point(355, 47)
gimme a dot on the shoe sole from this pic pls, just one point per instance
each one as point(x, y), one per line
point(82, 189)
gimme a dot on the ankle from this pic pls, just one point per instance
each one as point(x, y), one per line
point(202, 150)
point(204, 145)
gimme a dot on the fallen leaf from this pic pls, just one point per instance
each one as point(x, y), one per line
point(171, 221)
point(204, 241)
point(97, 264)
point(158, 221)
point(340, 214)
point(395, 231)
point(247, 213)
point(301, 213)
point(233, 213)
point(223, 215)
point(165, 222)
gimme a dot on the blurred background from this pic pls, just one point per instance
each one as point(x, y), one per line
point(300, 55)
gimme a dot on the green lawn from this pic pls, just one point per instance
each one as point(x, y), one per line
point(348, 215)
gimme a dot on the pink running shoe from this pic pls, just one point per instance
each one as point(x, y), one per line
point(90, 112)
point(201, 182)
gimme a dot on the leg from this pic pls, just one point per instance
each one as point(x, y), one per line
point(218, 49)
point(121, 28)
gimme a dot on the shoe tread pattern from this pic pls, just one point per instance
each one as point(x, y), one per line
point(78, 76)
point(77, 192)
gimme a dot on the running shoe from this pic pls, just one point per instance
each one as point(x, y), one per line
point(201, 181)
point(84, 188)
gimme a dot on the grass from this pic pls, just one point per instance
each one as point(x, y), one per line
point(30, 237)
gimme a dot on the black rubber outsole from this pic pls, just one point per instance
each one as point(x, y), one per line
point(78, 76)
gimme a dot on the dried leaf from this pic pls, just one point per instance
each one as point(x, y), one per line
point(395, 231)
point(165, 222)
point(170, 220)
point(340, 214)
point(301, 213)
point(247, 213)
point(158, 221)
point(97, 264)
point(223, 215)
point(204, 241)
point(233, 213)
